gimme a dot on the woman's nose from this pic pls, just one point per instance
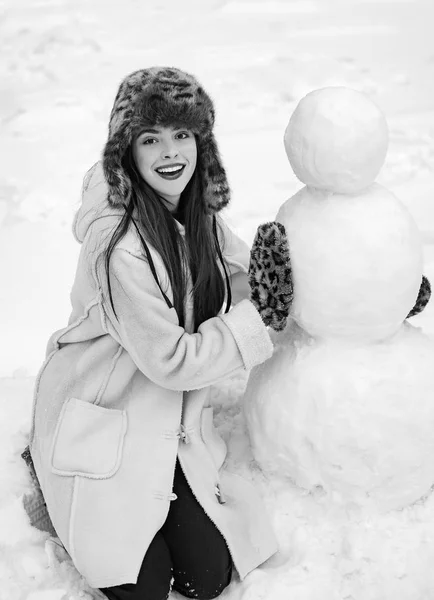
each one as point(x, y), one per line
point(169, 151)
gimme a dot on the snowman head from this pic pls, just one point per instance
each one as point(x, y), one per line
point(337, 140)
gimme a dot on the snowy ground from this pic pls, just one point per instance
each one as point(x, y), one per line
point(61, 63)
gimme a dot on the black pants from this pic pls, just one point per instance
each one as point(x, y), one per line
point(188, 548)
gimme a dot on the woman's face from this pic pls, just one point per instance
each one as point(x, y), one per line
point(166, 159)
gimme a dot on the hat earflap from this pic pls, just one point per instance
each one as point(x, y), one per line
point(118, 181)
point(216, 189)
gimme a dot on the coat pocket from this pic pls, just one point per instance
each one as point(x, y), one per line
point(214, 443)
point(88, 440)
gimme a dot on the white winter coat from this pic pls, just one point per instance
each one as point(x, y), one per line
point(117, 400)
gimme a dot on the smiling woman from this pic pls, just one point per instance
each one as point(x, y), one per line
point(166, 159)
point(123, 442)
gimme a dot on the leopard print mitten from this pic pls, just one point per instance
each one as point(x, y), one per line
point(270, 275)
point(422, 298)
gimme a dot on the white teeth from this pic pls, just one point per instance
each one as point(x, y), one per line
point(169, 169)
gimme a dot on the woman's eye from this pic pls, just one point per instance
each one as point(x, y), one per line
point(182, 135)
point(149, 141)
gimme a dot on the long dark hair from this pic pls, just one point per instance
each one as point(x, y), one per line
point(200, 250)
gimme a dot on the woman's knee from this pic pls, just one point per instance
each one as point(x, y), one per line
point(206, 585)
point(154, 579)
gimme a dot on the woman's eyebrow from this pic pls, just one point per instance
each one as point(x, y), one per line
point(148, 131)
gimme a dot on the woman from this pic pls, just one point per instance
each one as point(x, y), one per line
point(123, 441)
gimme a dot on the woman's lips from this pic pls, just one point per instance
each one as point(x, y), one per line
point(171, 172)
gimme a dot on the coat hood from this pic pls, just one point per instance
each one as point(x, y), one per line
point(94, 203)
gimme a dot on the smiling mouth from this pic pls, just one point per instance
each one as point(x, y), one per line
point(171, 172)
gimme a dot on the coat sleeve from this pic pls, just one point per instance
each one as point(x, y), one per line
point(169, 356)
point(237, 256)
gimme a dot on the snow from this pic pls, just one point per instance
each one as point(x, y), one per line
point(62, 62)
point(352, 418)
point(337, 140)
point(356, 262)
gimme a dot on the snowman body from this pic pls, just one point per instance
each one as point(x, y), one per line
point(347, 400)
point(356, 262)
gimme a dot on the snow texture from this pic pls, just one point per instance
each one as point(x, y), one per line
point(62, 61)
point(356, 260)
point(353, 419)
point(337, 140)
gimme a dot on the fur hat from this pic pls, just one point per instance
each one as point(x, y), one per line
point(162, 96)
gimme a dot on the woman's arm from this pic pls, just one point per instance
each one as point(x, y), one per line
point(148, 329)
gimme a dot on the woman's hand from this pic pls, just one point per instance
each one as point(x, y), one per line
point(422, 298)
point(270, 275)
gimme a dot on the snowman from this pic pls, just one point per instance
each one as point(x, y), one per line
point(346, 403)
